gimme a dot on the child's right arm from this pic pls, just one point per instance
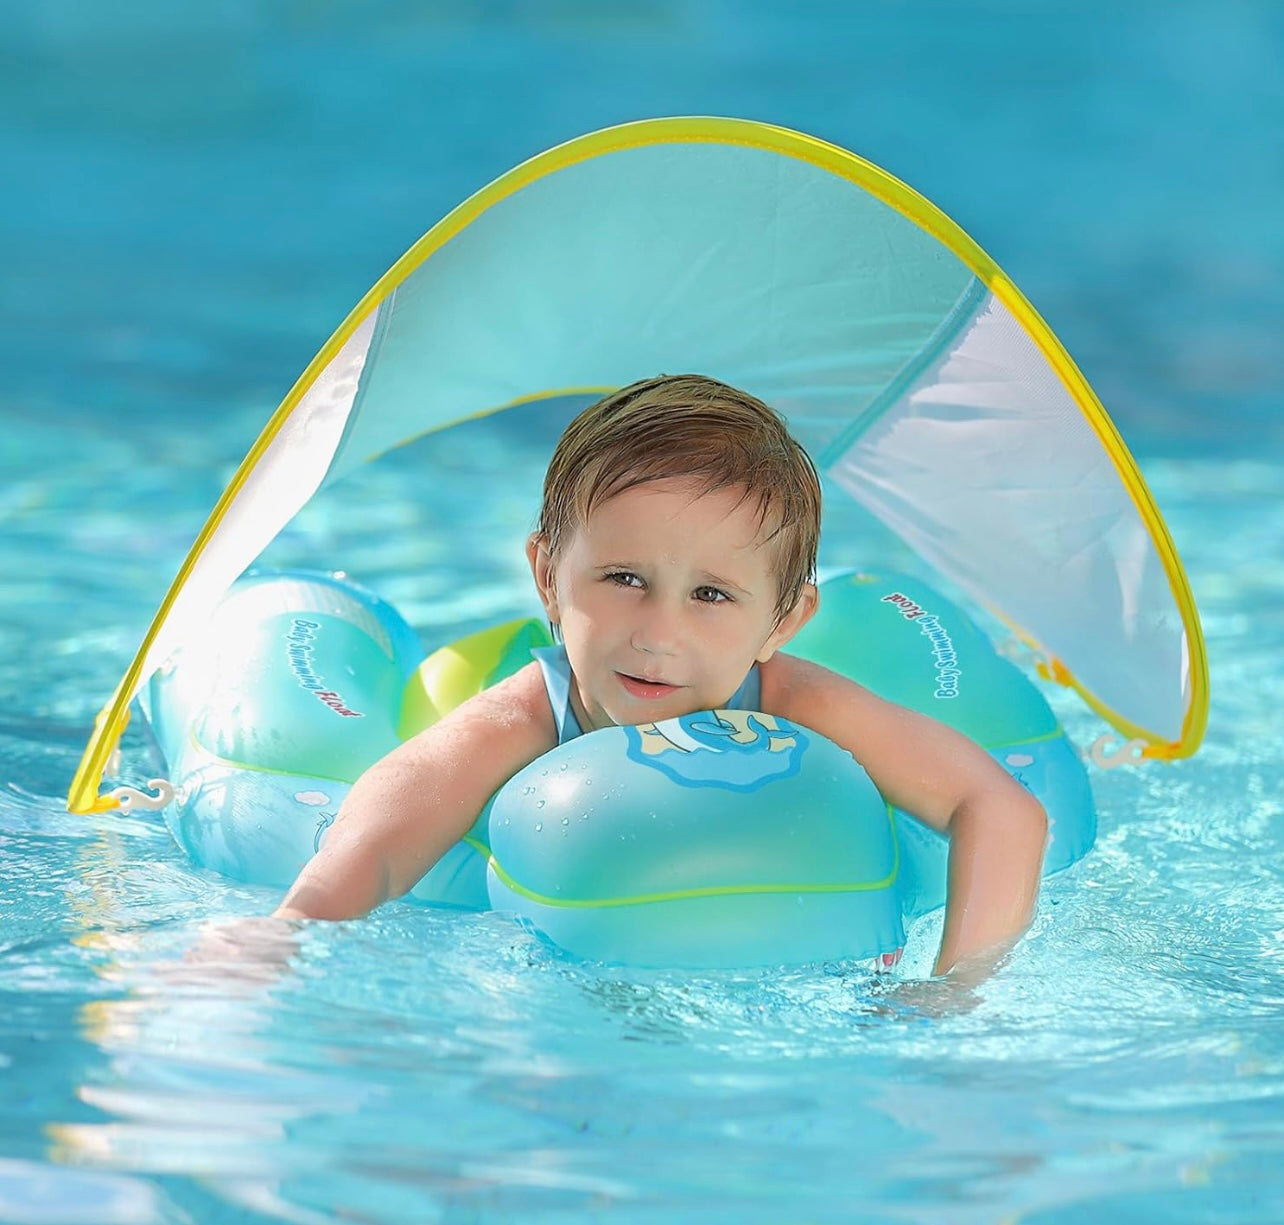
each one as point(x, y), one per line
point(411, 806)
point(997, 829)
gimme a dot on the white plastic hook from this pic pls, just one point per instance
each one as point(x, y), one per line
point(1124, 753)
point(129, 798)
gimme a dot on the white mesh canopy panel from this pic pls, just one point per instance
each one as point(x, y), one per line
point(986, 466)
point(290, 469)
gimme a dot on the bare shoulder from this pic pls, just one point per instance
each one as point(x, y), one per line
point(917, 762)
point(813, 695)
point(845, 711)
point(511, 722)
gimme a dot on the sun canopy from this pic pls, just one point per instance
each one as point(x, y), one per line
point(921, 381)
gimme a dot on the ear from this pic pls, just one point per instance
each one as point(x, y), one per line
point(803, 610)
point(541, 563)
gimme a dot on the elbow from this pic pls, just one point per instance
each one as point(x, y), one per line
point(1026, 827)
point(1007, 826)
point(1009, 810)
point(1036, 820)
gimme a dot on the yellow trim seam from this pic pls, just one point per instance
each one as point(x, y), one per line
point(1044, 738)
point(679, 895)
point(1195, 721)
point(535, 397)
point(211, 758)
point(112, 719)
point(1155, 747)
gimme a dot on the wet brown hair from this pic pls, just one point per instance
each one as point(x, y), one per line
point(689, 426)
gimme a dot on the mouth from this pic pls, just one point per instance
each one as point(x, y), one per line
point(640, 687)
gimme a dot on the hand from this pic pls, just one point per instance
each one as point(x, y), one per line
point(925, 999)
point(251, 951)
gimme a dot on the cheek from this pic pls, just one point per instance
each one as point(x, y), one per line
point(585, 613)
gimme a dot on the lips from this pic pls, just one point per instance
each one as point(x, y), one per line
point(648, 691)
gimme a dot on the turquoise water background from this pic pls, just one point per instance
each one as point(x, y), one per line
point(195, 197)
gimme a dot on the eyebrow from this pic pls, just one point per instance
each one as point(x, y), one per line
point(712, 580)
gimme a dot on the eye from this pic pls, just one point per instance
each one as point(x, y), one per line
point(623, 578)
point(711, 595)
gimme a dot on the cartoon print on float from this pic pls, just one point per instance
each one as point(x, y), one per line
point(317, 799)
point(737, 750)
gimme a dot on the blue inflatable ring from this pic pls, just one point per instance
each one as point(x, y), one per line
point(719, 839)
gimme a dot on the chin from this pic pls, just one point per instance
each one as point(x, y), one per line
point(660, 712)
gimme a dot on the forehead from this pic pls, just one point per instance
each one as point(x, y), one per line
point(680, 512)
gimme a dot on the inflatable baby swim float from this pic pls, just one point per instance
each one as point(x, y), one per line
point(722, 838)
point(931, 396)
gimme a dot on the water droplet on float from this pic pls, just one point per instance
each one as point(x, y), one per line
point(562, 767)
point(539, 825)
point(528, 790)
point(540, 803)
point(566, 820)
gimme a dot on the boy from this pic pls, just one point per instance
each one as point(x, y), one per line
point(675, 555)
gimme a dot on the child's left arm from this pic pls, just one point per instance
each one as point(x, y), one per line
point(997, 829)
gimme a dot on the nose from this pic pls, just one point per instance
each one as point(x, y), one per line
point(657, 630)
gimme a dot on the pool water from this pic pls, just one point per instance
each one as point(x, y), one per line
point(160, 1064)
point(1126, 1064)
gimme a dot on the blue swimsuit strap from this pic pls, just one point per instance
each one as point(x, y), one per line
point(556, 669)
point(557, 682)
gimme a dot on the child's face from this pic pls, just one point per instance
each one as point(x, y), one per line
point(665, 597)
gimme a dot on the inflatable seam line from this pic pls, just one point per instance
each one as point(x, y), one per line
point(678, 895)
